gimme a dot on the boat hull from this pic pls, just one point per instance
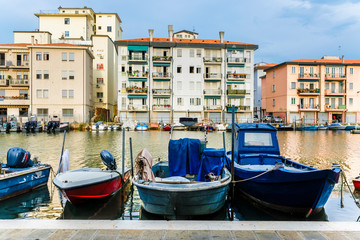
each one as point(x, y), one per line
point(175, 200)
point(296, 193)
point(20, 182)
point(356, 183)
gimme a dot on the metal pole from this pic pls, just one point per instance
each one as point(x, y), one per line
point(224, 142)
point(123, 155)
point(131, 158)
point(62, 151)
point(232, 160)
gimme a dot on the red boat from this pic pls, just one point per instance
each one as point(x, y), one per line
point(166, 128)
point(356, 183)
point(89, 184)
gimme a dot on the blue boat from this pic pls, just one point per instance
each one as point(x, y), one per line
point(141, 127)
point(271, 180)
point(307, 128)
point(21, 174)
point(193, 182)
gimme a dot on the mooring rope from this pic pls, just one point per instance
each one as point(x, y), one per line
point(277, 166)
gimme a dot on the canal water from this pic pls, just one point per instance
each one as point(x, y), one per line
point(319, 149)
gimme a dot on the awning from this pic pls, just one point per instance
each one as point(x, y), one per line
point(235, 82)
point(161, 96)
point(138, 79)
point(212, 97)
point(161, 80)
point(236, 96)
point(161, 64)
point(138, 63)
point(235, 65)
point(137, 96)
point(235, 49)
point(212, 80)
point(138, 48)
point(308, 80)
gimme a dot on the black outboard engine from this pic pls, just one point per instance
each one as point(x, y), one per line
point(18, 158)
point(8, 127)
point(49, 126)
point(108, 159)
point(27, 127)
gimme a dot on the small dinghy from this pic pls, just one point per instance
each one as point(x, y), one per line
point(88, 184)
point(356, 183)
point(21, 174)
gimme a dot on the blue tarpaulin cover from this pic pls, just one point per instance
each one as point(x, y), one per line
point(212, 161)
point(184, 156)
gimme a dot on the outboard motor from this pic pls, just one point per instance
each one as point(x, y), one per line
point(27, 127)
point(49, 126)
point(8, 127)
point(18, 158)
point(108, 159)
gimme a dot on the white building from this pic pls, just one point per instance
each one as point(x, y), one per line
point(162, 79)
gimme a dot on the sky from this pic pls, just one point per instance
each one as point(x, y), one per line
point(284, 30)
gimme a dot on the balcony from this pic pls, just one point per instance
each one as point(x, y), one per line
point(213, 108)
point(335, 108)
point(159, 76)
point(237, 60)
point(162, 58)
point(212, 60)
point(18, 82)
point(212, 91)
point(335, 93)
point(22, 64)
point(308, 92)
point(212, 77)
point(308, 108)
point(137, 90)
point(161, 107)
point(335, 77)
point(137, 76)
point(15, 100)
point(140, 58)
point(237, 76)
point(237, 92)
point(237, 108)
point(4, 82)
point(161, 91)
point(308, 76)
point(139, 108)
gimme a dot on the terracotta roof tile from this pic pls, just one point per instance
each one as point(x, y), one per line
point(323, 61)
point(29, 44)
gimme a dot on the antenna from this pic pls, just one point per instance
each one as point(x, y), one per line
point(339, 49)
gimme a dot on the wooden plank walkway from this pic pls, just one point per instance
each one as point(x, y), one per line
point(119, 229)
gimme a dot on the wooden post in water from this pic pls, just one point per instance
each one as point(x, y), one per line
point(232, 161)
point(123, 155)
point(131, 158)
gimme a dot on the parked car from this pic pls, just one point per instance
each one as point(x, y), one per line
point(266, 118)
point(276, 119)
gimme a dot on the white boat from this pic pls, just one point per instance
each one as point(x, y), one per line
point(115, 127)
point(178, 126)
point(220, 127)
point(99, 126)
point(129, 125)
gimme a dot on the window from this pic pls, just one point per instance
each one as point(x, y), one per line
point(71, 75)
point(64, 75)
point(46, 56)
point(273, 88)
point(198, 53)
point(179, 53)
point(293, 85)
point(46, 93)
point(198, 69)
point(122, 68)
point(327, 70)
point(67, 21)
point(192, 52)
point(99, 94)
point(71, 56)
point(42, 112)
point(67, 34)
point(273, 73)
point(26, 57)
point(327, 101)
point(18, 75)
point(192, 101)
point(302, 85)
point(178, 70)
point(351, 86)
point(179, 101)
point(273, 102)
point(351, 101)
point(327, 86)
point(198, 101)
point(258, 139)
point(39, 93)
point(64, 56)
point(46, 74)
point(24, 93)
point(293, 69)
point(311, 70)
point(23, 112)
point(191, 70)
point(108, 28)
point(71, 93)
point(2, 93)
point(64, 93)
point(292, 100)
point(26, 76)
point(351, 71)
point(38, 74)
point(68, 112)
point(38, 56)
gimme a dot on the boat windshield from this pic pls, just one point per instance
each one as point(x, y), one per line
point(258, 139)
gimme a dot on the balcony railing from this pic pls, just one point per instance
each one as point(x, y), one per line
point(236, 92)
point(134, 107)
point(161, 75)
point(212, 75)
point(137, 90)
point(138, 58)
point(335, 92)
point(330, 107)
point(137, 74)
point(161, 107)
point(161, 58)
point(238, 108)
point(212, 91)
point(213, 107)
point(335, 76)
point(302, 91)
point(16, 82)
point(237, 76)
point(237, 60)
point(307, 107)
point(162, 91)
point(213, 60)
point(20, 97)
point(309, 76)
point(4, 82)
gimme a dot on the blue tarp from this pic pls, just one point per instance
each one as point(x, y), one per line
point(184, 156)
point(212, 161)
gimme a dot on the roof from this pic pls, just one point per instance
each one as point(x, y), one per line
point(255, 126)
point(264, 66)
point(39, 45)
point(186, 31)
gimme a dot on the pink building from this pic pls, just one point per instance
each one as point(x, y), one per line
point(313, 90)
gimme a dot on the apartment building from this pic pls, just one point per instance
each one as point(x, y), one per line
point(313, 90)
point(162, 79)
point(98, 31)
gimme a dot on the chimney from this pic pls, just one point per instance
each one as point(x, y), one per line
point(32, 40)
point(342, 58)
point(151, 34)
point(221, 37)
point(171, 32)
